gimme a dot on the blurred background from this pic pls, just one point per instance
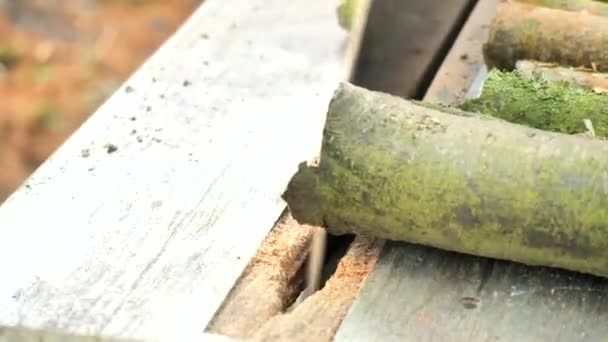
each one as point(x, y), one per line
point(60, 59)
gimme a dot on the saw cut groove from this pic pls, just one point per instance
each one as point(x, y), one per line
point(318, 317)
point(271, 282)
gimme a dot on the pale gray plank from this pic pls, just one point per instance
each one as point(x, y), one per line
point(22, 334)
point(457, 77)
point(146, 242)
point(423, 294)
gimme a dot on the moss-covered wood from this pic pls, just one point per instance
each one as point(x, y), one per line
point(522, 31)
point(395, 169)
point(556, 106)
point(588, 6)
point(580, 77)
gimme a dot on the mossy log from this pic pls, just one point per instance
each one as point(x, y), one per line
point(399, 170)
point(522, 31)
point(556, 106)
point(589, 6)
point(580, 77)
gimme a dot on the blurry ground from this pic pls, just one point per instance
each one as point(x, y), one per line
point(60, 59)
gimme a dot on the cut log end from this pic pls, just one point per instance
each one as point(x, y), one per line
point(302, 197)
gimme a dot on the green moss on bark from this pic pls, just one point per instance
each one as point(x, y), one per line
point(397, 170)
point(543, 104)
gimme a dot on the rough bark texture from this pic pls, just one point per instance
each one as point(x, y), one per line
point(479, 185)
point(543, 104)
point(580, 77)
point(522, 31)
point(319, 316)
point(588, 6)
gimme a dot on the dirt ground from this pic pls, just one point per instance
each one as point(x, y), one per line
point(60, 59)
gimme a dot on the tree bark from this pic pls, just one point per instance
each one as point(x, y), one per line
point(398, 170)
point(540, 103)
point(521, 31)
point(589, 6)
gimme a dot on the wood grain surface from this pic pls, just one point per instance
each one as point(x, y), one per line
point(422, 294)
point(141, 223)
point(22, 334)
point(464, 62)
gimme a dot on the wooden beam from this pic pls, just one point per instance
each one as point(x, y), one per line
point(141, 223)
point(465, 60)
point(421, 293)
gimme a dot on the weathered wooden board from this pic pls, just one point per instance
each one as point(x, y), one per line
point(424, 294)
point(465, 59)
point(405, 41)
point(17, 334)
point(140, 224)
point(274, 277)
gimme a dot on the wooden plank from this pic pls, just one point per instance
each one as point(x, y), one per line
point(420, 293)
point(274, 277)
point(21, 334)
point(465, 60)
point(145, 237)
point(404, 42)
point(423, 294)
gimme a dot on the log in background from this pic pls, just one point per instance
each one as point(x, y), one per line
point(522, 31)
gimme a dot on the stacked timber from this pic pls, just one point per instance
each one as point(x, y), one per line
point(506, 175)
